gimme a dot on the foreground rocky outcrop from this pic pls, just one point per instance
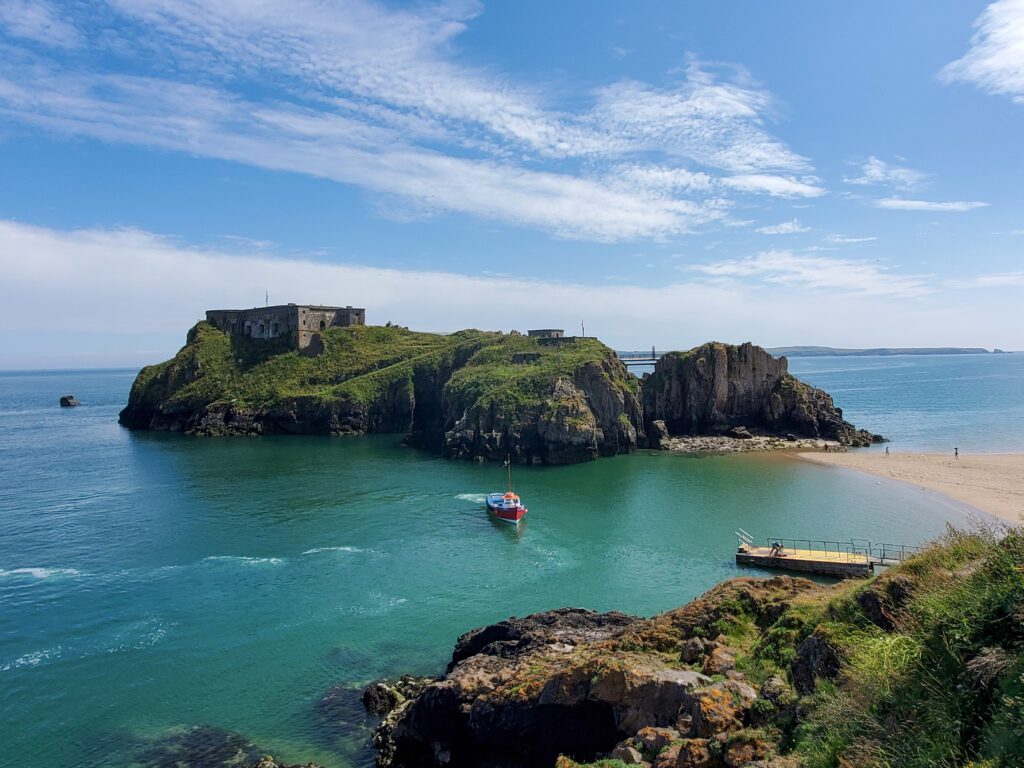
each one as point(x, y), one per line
point(572, 682)
point(739, 391)
point(756, 673)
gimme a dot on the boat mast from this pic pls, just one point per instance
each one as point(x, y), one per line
point(508, 466)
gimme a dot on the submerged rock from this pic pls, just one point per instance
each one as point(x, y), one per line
point(207, 747)
point(68, 401)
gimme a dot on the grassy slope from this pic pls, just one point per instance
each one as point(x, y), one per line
point(944, 688)
point(491, 376)
point(358, 364)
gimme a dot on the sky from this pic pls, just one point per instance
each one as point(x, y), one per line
point(840, 174)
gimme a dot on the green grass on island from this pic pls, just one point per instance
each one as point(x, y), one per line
point(361, 364)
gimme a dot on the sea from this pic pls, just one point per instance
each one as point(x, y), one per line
point(165, 597)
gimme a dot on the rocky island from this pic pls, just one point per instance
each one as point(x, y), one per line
point(478, 394)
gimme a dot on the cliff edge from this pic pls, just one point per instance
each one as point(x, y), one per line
point(722, 389)
point(470, 394)
point(918, 667)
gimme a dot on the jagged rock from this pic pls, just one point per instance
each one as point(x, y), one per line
point(740, 433)
point(694, 753)
point(516, 636)
point(692, 650)
point(580, 684)
point(713, 712)
point(68, 401)
point(742, 693)
point(718, 388)
point(877, 609)
point(668, 757)
point(719, 661)
point(628, 754)
point(741, 751)
point(815, 658)
point(653, 739)
point(593, 413)
point(774, 688)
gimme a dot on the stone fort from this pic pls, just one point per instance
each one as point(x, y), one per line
point(303, 322)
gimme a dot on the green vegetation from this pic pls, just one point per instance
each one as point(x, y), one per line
point(943, 688)
point(493, 378)
point(363, 365)
point(929, 658)
point(357, 363)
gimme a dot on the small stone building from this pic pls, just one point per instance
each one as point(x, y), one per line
point(546, 333)
point(303, 322)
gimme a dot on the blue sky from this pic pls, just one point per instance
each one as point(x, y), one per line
point(845, 174)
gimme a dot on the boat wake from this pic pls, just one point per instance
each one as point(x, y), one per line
point(476, 498)
point(39, 573)
point(318, 550)
point(244, 560)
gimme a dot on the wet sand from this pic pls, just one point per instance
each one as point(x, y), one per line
point(991, 482)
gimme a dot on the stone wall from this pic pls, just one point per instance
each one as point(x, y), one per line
point(302, 322)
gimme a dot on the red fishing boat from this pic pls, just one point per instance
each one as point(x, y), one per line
point(507, 506)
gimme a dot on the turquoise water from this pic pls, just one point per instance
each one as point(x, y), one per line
point(152, 582)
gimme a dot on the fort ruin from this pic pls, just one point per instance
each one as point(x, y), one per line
point(303, 322)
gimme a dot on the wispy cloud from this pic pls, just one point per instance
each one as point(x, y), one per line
point(784, 228)
point(783, 267)
point(776, 186)
point(166, 284)
point(845, 239)
point(376, 97)
point(878, 172)
point(995, 61)
point(37, 20)
point(900, 204)
point(995, 280)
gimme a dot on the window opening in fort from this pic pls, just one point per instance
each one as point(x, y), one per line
point(323, 325)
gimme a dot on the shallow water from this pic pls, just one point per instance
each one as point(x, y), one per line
point(153, 582)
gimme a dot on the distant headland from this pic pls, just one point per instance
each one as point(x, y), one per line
point(807, 351)
point(541, 397)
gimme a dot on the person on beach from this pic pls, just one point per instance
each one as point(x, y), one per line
point(956, 453)
point(887, 450)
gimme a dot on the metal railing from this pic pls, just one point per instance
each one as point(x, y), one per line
point(853, 550)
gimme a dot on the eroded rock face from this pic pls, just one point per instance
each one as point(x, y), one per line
point(582, 684)
point(593, 413)
point(721, 389)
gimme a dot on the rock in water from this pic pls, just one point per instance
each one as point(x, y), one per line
point(733, 390)
point(69, 401)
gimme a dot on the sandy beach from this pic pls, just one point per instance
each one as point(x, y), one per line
point(991, 482)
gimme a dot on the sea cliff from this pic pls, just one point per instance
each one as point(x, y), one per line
point(921, 666)
point(471, 394)
point(479, 395)
point(740, 390)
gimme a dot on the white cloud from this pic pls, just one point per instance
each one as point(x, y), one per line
point(844, 239)
point(37, 20)
point(785, 228)
point(164, 286)
point(376, 97)
point(776, 186)
point(717, 123)
point(899, 204)
point(996, 280)
point(876, 171)
point(822, 273)
point(995, 61)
